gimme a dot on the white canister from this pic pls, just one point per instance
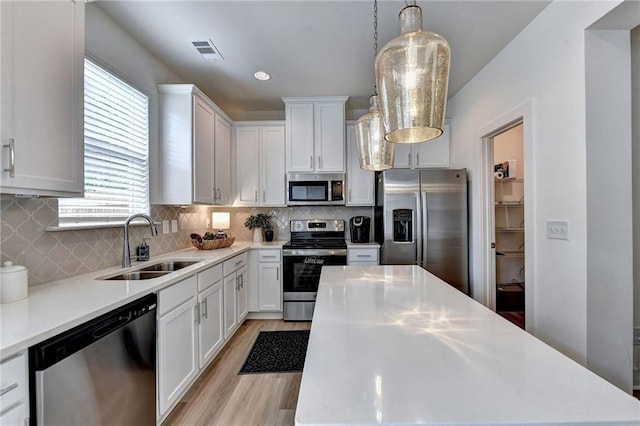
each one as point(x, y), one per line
point(13, 282)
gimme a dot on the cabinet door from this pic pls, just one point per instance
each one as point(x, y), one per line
point(404, 156)
point(433, 153)
point(211, 333)
point(243, 293)
point(329, 137)
point(230, 293)
point(42, 97)
point(222, 156)
point(203, 148)
point(270, 286)
point(272, 169)
point(360, 183)
point(177, 355)
point(299, 137)
point(247, 166)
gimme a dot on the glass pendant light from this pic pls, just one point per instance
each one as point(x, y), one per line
point(374, 152)
point(412, 73)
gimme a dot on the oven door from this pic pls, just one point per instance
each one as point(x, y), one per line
point(302, 269)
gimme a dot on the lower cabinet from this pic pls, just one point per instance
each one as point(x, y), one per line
point(14, 397)
point(265, 275)
point(190, 333)
point(236, 291)
point(177, 341)
point(357, 256)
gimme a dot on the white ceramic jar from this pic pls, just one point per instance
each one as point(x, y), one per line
point(13, 282)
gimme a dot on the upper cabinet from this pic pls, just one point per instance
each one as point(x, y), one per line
point(360, 183)
point(42, 98)
point(259, 158)
point(430, 154)
point(315, 133)
point(195, 152)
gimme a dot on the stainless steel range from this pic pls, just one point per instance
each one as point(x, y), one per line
point(314, 244)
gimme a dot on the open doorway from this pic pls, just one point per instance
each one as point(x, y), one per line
point(509, 224)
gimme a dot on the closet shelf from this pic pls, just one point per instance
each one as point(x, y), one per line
point(509, 204)
point(509, 229)
point(509, 253)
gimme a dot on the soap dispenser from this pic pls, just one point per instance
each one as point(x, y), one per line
point(142, 251)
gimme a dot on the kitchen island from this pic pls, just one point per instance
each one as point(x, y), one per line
point(397, 345)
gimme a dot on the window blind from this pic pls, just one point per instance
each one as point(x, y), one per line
point(116, 151)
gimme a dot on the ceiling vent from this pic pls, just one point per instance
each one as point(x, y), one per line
point(207, 50)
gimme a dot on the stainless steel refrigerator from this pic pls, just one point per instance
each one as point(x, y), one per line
point(421, 218)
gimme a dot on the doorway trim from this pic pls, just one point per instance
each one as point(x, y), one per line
point(521, 114)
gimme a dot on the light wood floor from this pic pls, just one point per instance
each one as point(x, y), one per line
point(221, 397)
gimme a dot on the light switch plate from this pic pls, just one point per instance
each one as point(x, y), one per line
point(165, 226)
point(558, 229)
point(174, 226)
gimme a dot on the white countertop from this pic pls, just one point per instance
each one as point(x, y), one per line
point(60, 305)
point(370, 244)
point(396, 345)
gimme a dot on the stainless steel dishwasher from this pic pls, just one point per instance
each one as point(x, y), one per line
point(99, 373)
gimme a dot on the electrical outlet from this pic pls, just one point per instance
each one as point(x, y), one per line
point(165, 226)
point(558, 229)
point(174, 226)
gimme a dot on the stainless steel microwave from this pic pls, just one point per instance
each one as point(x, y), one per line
point(305, 189)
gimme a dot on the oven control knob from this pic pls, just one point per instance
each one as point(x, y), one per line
point(298, 226)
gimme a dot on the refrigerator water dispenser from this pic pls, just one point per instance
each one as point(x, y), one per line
point(403, 225)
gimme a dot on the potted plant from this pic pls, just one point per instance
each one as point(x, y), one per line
point(257, 223)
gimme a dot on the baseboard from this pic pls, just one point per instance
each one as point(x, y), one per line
point(265, 315)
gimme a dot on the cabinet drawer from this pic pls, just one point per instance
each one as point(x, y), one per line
point(177, 294)
point(269, 255)
point(233, 264)
point(13, 382)
point(209, 277)
point(363, 255)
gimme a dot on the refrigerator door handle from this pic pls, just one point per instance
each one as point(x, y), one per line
point(417, 226)
point(424, 225)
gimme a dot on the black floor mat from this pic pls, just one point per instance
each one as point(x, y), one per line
point(276, 352)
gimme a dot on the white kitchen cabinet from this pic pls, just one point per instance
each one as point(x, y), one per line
point(314, 134)
point(177, 341)
point(195, 149)
point(42, 98)
point(235, 292)
point(265, 277)
point(210, 310)
point(362, 256)
point(360, 183)
point(430, 154)
point(222, 154)
point(14, 399)
point(260, 168)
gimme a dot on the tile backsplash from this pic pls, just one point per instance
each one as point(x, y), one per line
point(51, 256)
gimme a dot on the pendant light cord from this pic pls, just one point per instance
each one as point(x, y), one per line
point(375, 40)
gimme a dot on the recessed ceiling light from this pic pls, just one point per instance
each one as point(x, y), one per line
point(262, 75)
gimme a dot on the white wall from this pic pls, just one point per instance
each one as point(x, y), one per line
point(112, 47)
point(543, 66)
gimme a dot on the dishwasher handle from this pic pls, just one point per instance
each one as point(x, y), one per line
point(57, 348)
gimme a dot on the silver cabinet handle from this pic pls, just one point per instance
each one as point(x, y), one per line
point(241, 281)
point(349, 194)
point(319, 162)
point(237, 283)
point(197, 313)
point(417, 159)
point(12, 158)
point(218, 194)
point(205, 310)
point(362, 255)
point(311, 162)
point(277, 274)
point(8, 389)
point(255, 196)
point(264, 196)
point(409, 159)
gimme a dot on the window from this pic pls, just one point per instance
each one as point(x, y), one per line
point(116, 152)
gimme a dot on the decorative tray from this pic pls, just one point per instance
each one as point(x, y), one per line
point(217, 243)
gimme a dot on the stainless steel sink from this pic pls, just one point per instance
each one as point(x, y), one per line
point(138, 275)
point(152, 271)
point(169, 266)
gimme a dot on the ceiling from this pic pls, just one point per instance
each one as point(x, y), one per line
point(310, 48)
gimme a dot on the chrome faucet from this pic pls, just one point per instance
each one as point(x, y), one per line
point(126, 253)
